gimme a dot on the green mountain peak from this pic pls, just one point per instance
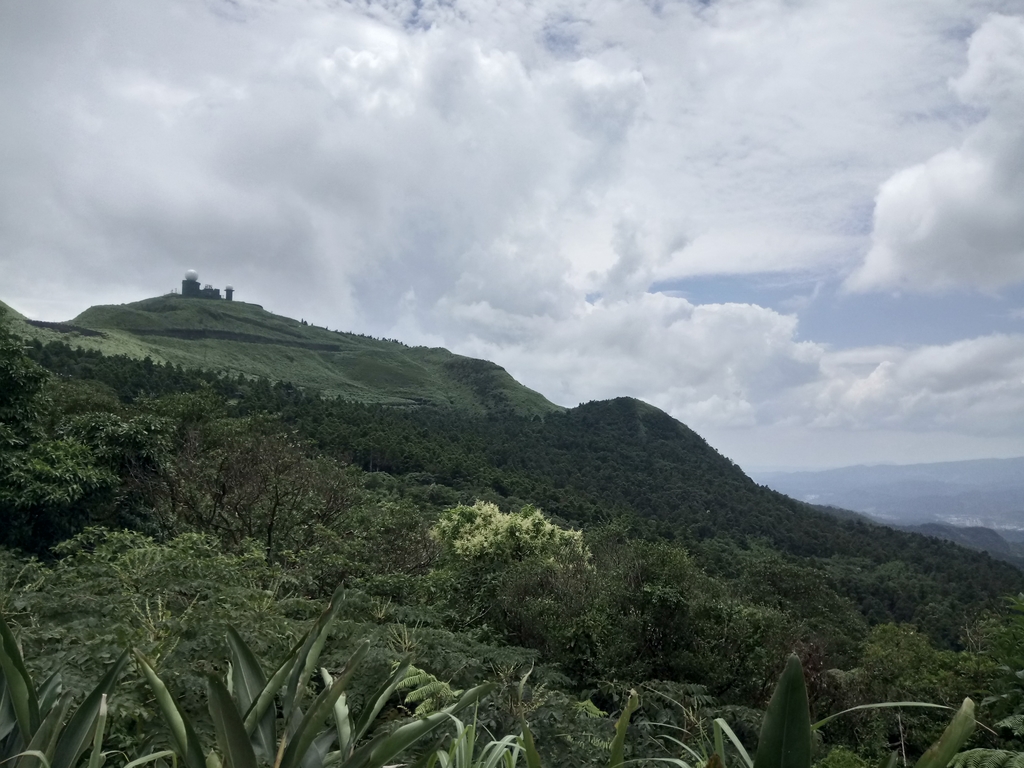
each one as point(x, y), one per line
point(242, 338)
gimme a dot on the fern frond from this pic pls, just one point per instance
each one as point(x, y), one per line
point(988, 758)
point(589, 709)
point(1015, 723)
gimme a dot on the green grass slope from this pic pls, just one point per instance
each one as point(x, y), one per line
point(244, 338)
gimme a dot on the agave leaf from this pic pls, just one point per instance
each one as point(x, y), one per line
point(8, 719)
point(304, 662)
point(36, 754)
point(305, 732)
point(46, 735)
point(722, 726)
point(342, 721)
point(248, 683)
point(79, 729)
point(317, 753)
point(97, 757)
point(19, 684)
point(153, 758)
point(379, 699)
point(957, 732)
point(621, 726)
point(182, 733)
point(786, 732)
point(530, 748)
point(49, 693)
point(232, 739)
point(882, 705)
point(379, 751)
point(263, 703)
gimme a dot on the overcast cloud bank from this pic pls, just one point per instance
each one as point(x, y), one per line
point(512, 180)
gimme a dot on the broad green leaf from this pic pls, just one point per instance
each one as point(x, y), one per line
point(957, 732)
point(342, 720)
point(530, 748)
point(305, 660)
point(621, 727)
point(33, 753)
point(249, 682)
point(153, 758)
point(233, 741)
point(723, 727)
point(383, 748)
point(317, 753)
point(786, 732)
point(79, 729)
point(891, 760)
point(97, 757)
point(19, 684)
point(182, 733)
point(8, 719)
point(379, 699)
point(46, 735)
point(265, 701)
point(882, 705)
point(306, 732)
point(49, 694)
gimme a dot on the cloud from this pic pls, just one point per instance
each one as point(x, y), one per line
point(727, 366)
point(957, 220)
point(975, 386)
point(468, 173)
point(709, 365)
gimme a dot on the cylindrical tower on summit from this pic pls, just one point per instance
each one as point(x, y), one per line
point(190, 285)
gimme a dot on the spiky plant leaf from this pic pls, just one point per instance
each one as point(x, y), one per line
point(80, 728)
point(49, 693)
point(380, 750)
point(621, 726)
point(45, 738)
point(380, 698)
point(19, 684)
point(306, 732)
point(248, 683)
point(232, 740)
point(957, 732)
point(182, 733)
point(305, 660)
point(786, 732)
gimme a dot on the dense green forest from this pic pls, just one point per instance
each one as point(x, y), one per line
point(567, 557)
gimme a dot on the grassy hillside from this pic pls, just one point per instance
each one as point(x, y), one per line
point(244, 338)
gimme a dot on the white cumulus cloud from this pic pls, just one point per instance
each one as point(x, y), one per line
point(957, 219)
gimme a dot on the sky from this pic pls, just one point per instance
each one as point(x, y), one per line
point(795, 225)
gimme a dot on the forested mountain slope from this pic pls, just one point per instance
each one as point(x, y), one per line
point(621, 462)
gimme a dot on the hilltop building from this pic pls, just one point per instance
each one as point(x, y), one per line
point(190, 288)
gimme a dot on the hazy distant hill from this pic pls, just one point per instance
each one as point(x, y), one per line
point(244, 338)
point(984, 492)
point(977, 504)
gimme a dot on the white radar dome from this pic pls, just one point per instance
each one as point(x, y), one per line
point(192, 275)
point(229, 287)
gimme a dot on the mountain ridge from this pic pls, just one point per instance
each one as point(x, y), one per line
point(243, 338)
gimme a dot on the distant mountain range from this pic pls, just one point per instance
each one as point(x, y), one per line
point(977, 503)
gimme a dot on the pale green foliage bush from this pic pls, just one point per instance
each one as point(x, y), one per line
point(485, 533)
